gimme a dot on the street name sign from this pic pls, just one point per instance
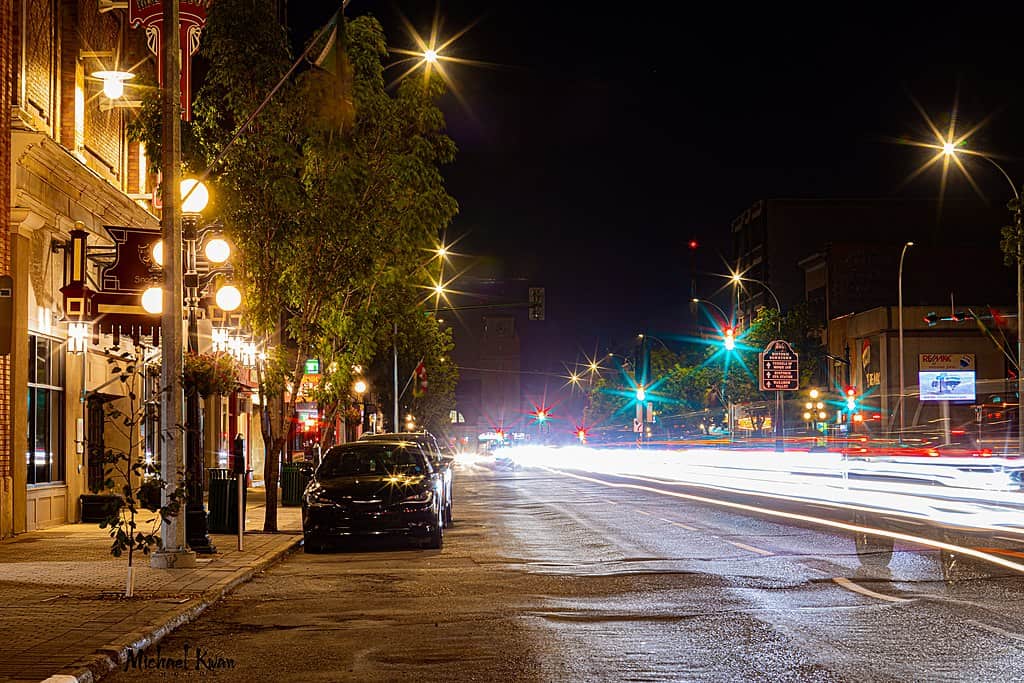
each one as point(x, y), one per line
point(779, 367)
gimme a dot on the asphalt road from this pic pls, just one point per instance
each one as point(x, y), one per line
point(547, 577)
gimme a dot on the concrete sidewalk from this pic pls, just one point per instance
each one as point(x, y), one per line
point(62, 610)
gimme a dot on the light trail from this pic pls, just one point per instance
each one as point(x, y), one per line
point(856, 528)
point(992, 505)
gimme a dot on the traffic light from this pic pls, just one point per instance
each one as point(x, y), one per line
point(581, 434)
point(729, 340)
point(542, 415)
point(851, 397)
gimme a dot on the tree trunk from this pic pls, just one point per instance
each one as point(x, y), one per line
point(272, 462)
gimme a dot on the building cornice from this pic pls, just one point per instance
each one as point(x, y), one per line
point(49, 180)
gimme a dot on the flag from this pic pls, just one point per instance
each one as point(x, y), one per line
point(419, 387)
point(333, 59)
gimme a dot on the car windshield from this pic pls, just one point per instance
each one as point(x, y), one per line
point(373, 460)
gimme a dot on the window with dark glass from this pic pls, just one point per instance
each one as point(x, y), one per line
point(45, 454)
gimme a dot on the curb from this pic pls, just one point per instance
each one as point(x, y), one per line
point(108, 658)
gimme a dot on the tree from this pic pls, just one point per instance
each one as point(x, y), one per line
point(337, 184)
point(126, 473)
point(329, 196)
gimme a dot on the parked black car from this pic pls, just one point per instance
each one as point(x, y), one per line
point(444, 463)
point(374, 489)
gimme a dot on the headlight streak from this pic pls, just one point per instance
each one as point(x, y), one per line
point(800, 481)
point(938, 545)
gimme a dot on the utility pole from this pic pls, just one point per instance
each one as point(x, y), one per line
point(394, 349)
point(173, 553)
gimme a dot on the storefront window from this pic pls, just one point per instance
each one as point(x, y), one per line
point(45, 441)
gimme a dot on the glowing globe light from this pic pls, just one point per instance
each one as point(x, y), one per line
point(217, 250)
point(360, 387)
point(153, 300)
point(641, 395)
point(228, 298)
point(430, 56)
point(158, 252)
point(948, 148)
point(197, 198)
point(113, 82)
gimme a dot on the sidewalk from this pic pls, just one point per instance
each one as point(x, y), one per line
point(62, 610)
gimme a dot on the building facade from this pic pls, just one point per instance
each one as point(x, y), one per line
point(865, 350)
point(69, 166)
point(842, 255)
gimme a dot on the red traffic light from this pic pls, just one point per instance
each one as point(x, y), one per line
point(850, 391)
point(693, 244)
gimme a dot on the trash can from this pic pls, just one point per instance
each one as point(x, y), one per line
point(98, 507)
point(223, 504)
point(294, 478)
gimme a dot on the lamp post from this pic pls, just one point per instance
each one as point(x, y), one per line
point(780, 430)
point(899, 405)
point(194, 200)
point(950, 149)
point(360, 388)
point(726, 319)
point(729, 343)
point(173, 552)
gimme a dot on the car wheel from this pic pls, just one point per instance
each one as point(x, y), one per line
point(448, 521)
point(436, 538)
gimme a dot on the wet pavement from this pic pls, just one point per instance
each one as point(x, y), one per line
point(546, 577)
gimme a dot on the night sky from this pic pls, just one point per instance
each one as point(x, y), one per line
point(602, 141)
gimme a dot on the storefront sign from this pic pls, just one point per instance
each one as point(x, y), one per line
point(946, 361)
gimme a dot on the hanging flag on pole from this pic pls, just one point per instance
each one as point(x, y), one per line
point(419, 387)
point(333, 58)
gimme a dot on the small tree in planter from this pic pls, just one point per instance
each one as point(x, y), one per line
point(128, 473)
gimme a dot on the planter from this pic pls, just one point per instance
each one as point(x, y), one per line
point(149, 496)
point(97, 507)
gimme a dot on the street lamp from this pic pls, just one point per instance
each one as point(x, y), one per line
point(726, 319)
point(899, 405)
point(738, 278)
point(780, 430)
point(195, 197)
point(950, 150)
point(360, 388)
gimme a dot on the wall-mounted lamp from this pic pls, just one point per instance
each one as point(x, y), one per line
point(113, 82)
point(78, 337)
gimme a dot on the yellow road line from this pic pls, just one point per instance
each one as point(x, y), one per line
point(744, 546)
point(857, 588)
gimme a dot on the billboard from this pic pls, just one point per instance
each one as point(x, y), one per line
point(947, 385)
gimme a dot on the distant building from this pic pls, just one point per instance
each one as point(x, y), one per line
point(842, 255)
point(488, 396)
point(952, 355)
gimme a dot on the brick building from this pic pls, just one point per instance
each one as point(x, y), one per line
point(68, 163)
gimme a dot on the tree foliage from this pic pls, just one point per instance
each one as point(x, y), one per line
point(708, 377)
point(330, 197)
